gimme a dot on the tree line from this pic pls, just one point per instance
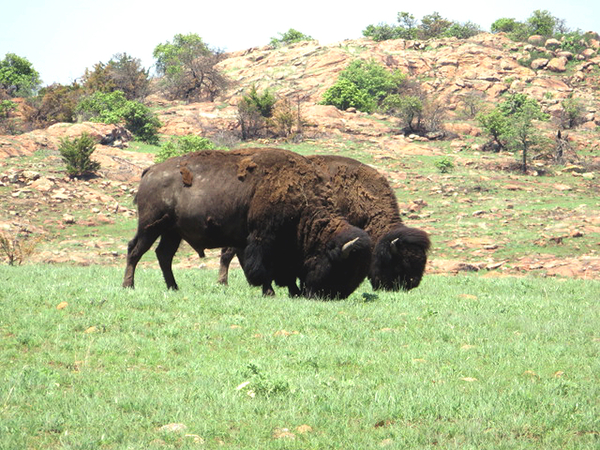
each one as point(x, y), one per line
point(187, 69)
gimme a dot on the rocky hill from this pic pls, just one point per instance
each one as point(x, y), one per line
point(40, 199)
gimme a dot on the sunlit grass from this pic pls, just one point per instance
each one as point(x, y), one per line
point(465, 362)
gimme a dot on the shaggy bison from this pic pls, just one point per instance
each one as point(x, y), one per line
point(365, 198)
point(272, 204)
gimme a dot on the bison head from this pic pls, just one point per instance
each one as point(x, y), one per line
point(399, 259)
point(339, 267)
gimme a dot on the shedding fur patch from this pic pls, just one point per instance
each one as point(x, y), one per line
point(186, 176)
point(245, 166)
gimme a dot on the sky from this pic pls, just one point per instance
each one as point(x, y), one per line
point(61, 38)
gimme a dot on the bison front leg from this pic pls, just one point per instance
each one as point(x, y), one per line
point(169, 243)
point(257, 265)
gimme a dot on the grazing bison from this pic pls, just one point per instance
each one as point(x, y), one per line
point(272, 204)
point(365, 198)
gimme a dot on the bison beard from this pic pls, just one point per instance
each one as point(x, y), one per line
point(365, 198)
point(272, 203)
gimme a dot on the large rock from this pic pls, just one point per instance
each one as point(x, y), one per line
point(557, 64)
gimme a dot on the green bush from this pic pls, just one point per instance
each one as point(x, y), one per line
point(572, 113)
point(504, 25)
point(574, 42)
point(511, 125)
point(18, 78)
point(463, 30)
point(344, 94)
point(363, 85)
point(254, 110)
point(444, 165)
point(183, 145)
point(141, 121)
point(289, 37)
point(408, 108)
point(76, 153)
point(432, 26)
point(113, 107)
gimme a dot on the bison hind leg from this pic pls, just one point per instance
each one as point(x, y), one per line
point(136, 248)
point(165, 251)
point(227, 254)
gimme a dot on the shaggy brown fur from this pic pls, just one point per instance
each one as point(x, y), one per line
point(273, 203)
point(364, 197)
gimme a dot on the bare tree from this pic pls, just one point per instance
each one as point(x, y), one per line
point(189, 69)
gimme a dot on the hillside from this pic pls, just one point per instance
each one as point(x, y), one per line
point(482, 216)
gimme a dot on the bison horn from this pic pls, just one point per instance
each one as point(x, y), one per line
point(347, 248)
point(393, 246)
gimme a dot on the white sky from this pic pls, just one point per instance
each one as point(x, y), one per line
point(61, 38)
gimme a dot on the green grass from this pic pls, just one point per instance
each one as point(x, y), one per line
point(460, 362)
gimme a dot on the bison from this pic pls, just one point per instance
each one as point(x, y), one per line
point(272, 204)
point(365, 198)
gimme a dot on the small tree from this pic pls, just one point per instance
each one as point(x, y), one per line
point(189, 69)
point(283, 119)
point(53, 104)
point(76, 153)
point(289, 37)
point(572, 113)
point(122, 73)
point(522, 135)
point(496, 124)
point(408, 108)
point(433, 26)
point(511, 125)
point(253, 111)
point(542, 22)
point(18, 78)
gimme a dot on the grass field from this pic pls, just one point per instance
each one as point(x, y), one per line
point(461, 362)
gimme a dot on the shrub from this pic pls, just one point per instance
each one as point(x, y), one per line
point(344, 94)
point(16, 249)
point(431, 26)
point(574, 42)
point(253, 111)
point(363, 85)
point(408, 108)
point(122, 73)
point(463, 30)
point(76, 153)
point(102, 107)
point(183, 145)
point(444, 165)
point(53, 104)
point(511, 125)
point(542, 22)
point(141, 121)
point(113, 107)
point(6, 106)
point(504, 25)
point(572, 113)
point(289, 37)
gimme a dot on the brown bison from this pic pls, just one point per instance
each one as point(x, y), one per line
point(365, 198)
point(272, 204)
